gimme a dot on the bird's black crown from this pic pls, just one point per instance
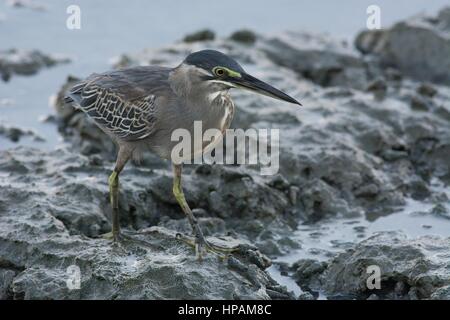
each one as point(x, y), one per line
point(208, 59)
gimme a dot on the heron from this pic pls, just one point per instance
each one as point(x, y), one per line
point(139, 107)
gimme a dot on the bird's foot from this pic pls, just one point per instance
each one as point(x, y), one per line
point(111, 236)
point(125, 237)
point(202, 246)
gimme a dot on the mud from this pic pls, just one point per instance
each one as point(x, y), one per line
point(26, 62)
point(365, 157)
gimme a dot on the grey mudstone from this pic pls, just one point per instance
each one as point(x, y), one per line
point(244, 36)
point(347, 153)
point(363, 156)
point(15, 133)
point(409, 267)
point(317, 57)
point(419, 47)
point(202, 35)
point(25, 62)
point(53, 208)
point(306, 272)
point(6, 279)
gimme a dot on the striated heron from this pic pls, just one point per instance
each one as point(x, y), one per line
point(140, 107)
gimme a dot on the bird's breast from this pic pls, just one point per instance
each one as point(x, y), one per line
point(218, 115)
point(216, 112)
point(227, 106)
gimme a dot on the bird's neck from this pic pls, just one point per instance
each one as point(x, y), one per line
point(186, 82)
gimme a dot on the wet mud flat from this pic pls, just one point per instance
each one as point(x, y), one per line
point(363, 181)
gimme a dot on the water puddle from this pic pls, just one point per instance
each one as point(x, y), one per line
point(323, 240)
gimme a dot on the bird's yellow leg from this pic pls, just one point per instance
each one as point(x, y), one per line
point(113, 183)
point(200, 241)
point(116, 234)
point(123, 156)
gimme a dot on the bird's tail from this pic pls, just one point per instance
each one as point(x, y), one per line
point(68, 99)
point(73, 95)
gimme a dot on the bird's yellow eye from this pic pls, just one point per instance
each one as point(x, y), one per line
point(219, 72)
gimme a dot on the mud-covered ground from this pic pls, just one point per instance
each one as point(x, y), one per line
point(363, 181)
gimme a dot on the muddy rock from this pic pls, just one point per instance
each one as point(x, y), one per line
point(53, 208)
point(6, 279)
point(442, 293)
point(23, 62)
point(244, 36)
point(410, 268)
point(378, 87)
point(306, 272)
point(226, 200)
point(146, 197)
point(323, 60)
point(419, 47)
point(427, 90)
point(202, 35)
point(368, 139)
point(15, 134)
point(347, 153)
point(30, 4)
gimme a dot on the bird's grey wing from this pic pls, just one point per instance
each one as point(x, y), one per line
point(120, 102)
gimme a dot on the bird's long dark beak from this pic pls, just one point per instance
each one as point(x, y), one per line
point(249, 82)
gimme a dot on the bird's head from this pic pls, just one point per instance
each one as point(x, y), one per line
point(217, 68)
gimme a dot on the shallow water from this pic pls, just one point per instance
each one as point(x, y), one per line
point(324, 240)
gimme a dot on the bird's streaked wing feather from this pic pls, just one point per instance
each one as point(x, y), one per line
point(122, 102)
